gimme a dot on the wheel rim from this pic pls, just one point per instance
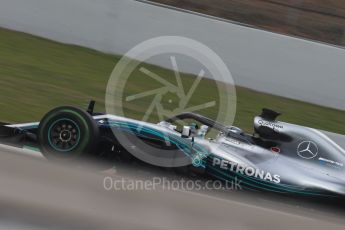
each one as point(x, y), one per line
point(64, 135)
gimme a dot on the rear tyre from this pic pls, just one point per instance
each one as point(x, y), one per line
point(67, 133)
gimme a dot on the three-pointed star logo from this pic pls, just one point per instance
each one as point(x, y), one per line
point(307, 150)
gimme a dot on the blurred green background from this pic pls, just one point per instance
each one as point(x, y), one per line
point(37, 75)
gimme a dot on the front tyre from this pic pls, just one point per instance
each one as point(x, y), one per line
point(67, 133)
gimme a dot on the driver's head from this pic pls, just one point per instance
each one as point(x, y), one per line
point(194, 126)
point(236, 130)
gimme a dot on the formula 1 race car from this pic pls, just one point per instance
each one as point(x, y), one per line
point(279, 157)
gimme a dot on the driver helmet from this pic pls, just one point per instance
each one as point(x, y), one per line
point(235, 130)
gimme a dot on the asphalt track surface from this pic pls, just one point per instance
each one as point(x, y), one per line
point(36, 194)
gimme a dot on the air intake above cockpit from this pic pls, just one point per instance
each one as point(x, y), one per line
point(269, 114)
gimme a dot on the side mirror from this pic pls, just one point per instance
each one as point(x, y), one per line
point(186, 132)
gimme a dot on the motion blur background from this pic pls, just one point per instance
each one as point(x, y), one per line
point(287, 55)
point(87, 38)
point(316, 20)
